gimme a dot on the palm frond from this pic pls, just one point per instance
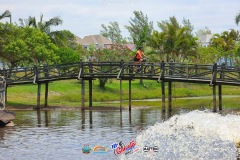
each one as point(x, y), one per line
point(237, 19)
point(55, 21)
point(7, 13)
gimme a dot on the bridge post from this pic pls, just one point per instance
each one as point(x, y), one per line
point(130, 94)
point(163, 86)
point(46, 94)
point(83, 94)
point(90, 67)
point(90, 92)
point(141, 73)
point(2, 92)
point(38, 95)
point(220, 96)
point(214, 76)
point(196, 69)
point(80, 76)
point(6, 93)
point(214, 99)
point(120, 94)
point(162, 70)
point(46, 71)
point(170, 96)
point(220, 86)
point(171, 67)
point(35, 70)
point(163, 97)
point(46, 74)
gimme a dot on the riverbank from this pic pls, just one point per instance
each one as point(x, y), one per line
point(67, 94)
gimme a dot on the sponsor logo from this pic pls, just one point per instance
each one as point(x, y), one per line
point(120, 148)
point(99, 149)
point(150, 149)
point(86, 149)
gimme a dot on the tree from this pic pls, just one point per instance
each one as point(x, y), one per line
point(24, 46)
point(65, 39)
point(7, 13)
point(237, 18)
point(115, 53)
point(174, 40)
point(225, 42)
point(113, 32)
point(40, 47)
point(140, 28)
point(68, 55)
point(8, 35)
point(207, 55)
point(45, 26)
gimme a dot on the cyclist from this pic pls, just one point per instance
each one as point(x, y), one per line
point(139, 55)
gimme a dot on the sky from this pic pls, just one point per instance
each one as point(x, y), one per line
point(84, 17)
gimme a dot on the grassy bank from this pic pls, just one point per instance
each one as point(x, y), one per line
point(68, 93)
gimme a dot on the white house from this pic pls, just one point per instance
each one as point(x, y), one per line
point(204, 39)
point(97, 40)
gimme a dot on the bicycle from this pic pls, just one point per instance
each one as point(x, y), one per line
point(148, 68)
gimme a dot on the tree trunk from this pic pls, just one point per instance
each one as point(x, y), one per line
point(102, 82)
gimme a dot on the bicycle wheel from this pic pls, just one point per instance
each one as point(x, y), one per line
point(149, 70)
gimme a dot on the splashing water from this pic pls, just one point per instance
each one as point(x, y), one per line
point(196, 135)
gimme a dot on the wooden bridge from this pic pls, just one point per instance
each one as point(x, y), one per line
point(214, 75)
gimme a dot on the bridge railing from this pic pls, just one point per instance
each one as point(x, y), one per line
point(18, 74)
point(230, 74)
point(145, 70)
point(125, 70)
point(65, 71)
point(100, 69)
point(188, 71)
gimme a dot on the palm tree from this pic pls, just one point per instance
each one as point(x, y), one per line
point(44, 26)
point(237, 19)
point(226, 43)
point(140, 28)
point(174, 40)
point(7, 13)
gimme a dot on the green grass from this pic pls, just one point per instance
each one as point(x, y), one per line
point(68, 93)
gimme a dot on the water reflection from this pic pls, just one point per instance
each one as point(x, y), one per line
point(90, 119)
point(83, 119)
point(130, 117)
point(39, 118)
point(138, 118)
point(55, 134)
point(120, 118)
point(46, 118)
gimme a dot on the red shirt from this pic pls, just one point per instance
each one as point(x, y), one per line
point(139, 54)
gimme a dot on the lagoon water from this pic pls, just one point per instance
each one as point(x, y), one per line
point(61, 135)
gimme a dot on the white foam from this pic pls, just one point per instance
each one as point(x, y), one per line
point(195, 135)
